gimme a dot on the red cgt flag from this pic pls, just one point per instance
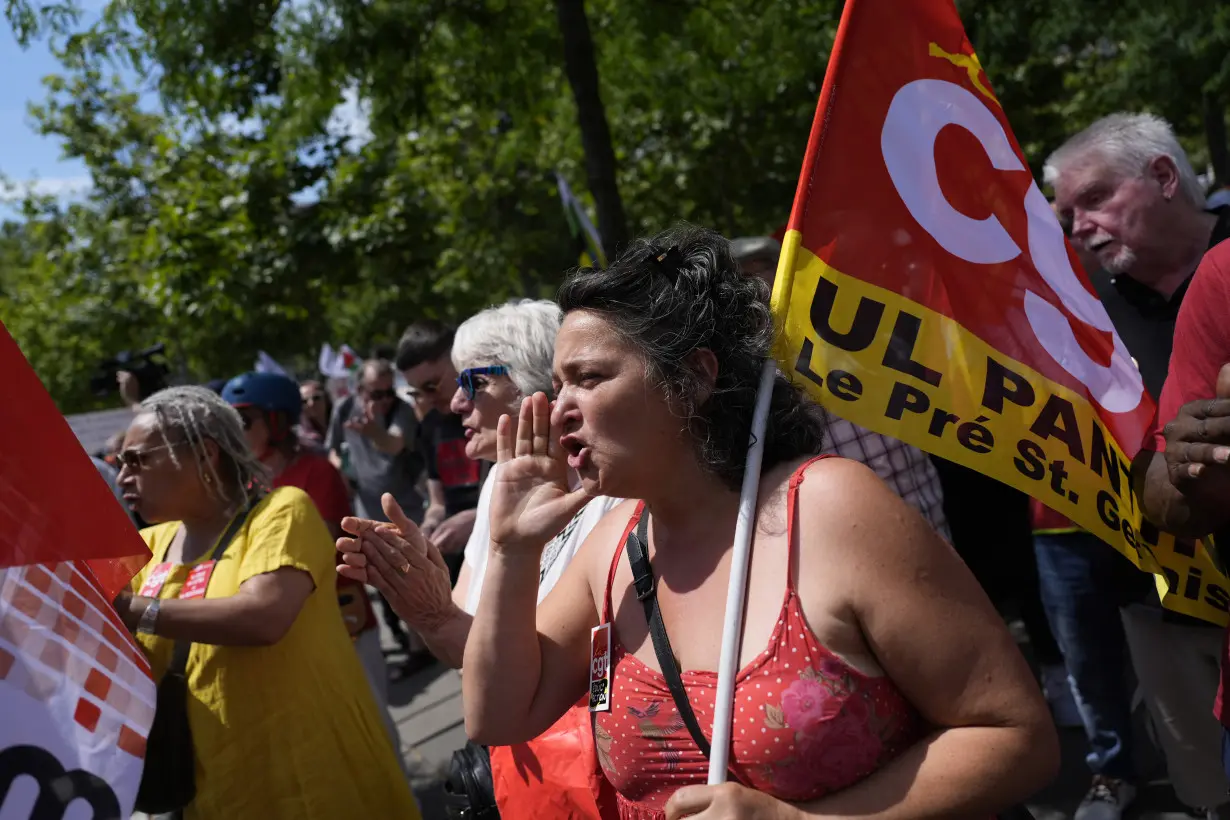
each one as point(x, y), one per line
point(54, 506)
point(926, 290)
point(76, 697)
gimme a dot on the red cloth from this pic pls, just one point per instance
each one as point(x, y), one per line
point(1201, 347)
point(1201, 340)
point(555, 775)
point(1046, 520)
point(316, 476)
point(54, 506)
point(807, 723)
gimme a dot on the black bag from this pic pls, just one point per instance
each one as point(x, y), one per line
point(469, 792)
point(168, 782)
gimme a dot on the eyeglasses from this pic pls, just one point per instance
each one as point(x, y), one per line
point(137, 460)
point(465, 379)
point(315, 398)
point(380, 395)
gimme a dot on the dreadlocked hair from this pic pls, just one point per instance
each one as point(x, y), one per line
point(196, 414)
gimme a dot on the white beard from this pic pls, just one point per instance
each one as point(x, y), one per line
point(1122, 262)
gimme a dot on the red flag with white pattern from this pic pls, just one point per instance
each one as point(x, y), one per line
point(76, 695)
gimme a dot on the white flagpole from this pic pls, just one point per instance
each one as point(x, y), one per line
point(732, 630)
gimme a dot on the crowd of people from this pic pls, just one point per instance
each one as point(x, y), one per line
point(559, 480)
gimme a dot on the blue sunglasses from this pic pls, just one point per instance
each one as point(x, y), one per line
point(465, 379)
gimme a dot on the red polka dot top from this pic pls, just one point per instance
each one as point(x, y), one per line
point(806, 723)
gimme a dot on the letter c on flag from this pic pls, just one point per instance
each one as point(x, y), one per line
point(919, 111)
point(917, 114)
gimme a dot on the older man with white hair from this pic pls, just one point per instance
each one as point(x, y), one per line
point(1128, 196)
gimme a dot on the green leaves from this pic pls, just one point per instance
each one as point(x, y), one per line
point(1058, 66)
point(272, 175)
point(30, 21)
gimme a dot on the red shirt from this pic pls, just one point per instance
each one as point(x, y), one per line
point(1201, 347)
point(317, 477)
point(1201, 340)
point(1046, 521)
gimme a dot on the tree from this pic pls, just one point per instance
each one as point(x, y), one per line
point(582, 69)
point(236, 212)
point(1058, 66)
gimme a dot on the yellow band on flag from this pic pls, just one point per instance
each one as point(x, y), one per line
point(896, 367)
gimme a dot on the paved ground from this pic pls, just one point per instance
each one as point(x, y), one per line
point(427, 709)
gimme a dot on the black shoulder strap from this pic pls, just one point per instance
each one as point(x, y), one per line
point(179, 656)
point(647, 593)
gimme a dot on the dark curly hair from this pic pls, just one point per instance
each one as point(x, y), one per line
point(682, 291)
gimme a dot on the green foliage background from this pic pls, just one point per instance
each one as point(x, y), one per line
point(230, 216)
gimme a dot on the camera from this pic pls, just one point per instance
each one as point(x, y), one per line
point(148, 366)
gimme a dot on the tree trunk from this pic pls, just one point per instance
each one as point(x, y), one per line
point(582, 71)
point(1215, 133)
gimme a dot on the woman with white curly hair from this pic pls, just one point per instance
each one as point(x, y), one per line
point(502, 355)
point(282, 721)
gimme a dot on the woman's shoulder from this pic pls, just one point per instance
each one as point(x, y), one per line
point(480, 535)
point(830, 492)
point(816, 475)
point(608, 520)
point(286, 502)
point(847, 502)
point(156, 535)
point(593, 514)
point(615, 513)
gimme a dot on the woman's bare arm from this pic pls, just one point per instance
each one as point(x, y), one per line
point(524, 667)
point(937, 636)
point(260, 614)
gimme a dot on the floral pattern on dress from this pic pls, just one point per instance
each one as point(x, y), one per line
point(840, 735)
point(656, 729)
point(602, 742)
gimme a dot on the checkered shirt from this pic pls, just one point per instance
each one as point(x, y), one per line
point(903, 467)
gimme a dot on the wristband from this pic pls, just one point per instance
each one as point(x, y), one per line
point(148, 621)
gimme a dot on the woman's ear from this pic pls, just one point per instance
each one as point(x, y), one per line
point(704, 364)
point(209, 461)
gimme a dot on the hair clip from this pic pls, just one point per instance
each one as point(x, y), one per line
point(667, 261)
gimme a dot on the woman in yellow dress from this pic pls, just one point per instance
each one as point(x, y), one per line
point(283, 722)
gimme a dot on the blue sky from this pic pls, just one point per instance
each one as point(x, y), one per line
point(31, 160)
point(27, 156)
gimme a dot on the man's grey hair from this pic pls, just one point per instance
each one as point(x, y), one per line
point(193, 414)
point(1128, 142)
point(519, 335)
point(376, 369)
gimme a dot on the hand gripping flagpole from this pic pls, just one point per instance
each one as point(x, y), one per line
point(732, 630)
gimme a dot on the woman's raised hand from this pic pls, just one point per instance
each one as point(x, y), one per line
point(401, 563)
point(531, 500)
